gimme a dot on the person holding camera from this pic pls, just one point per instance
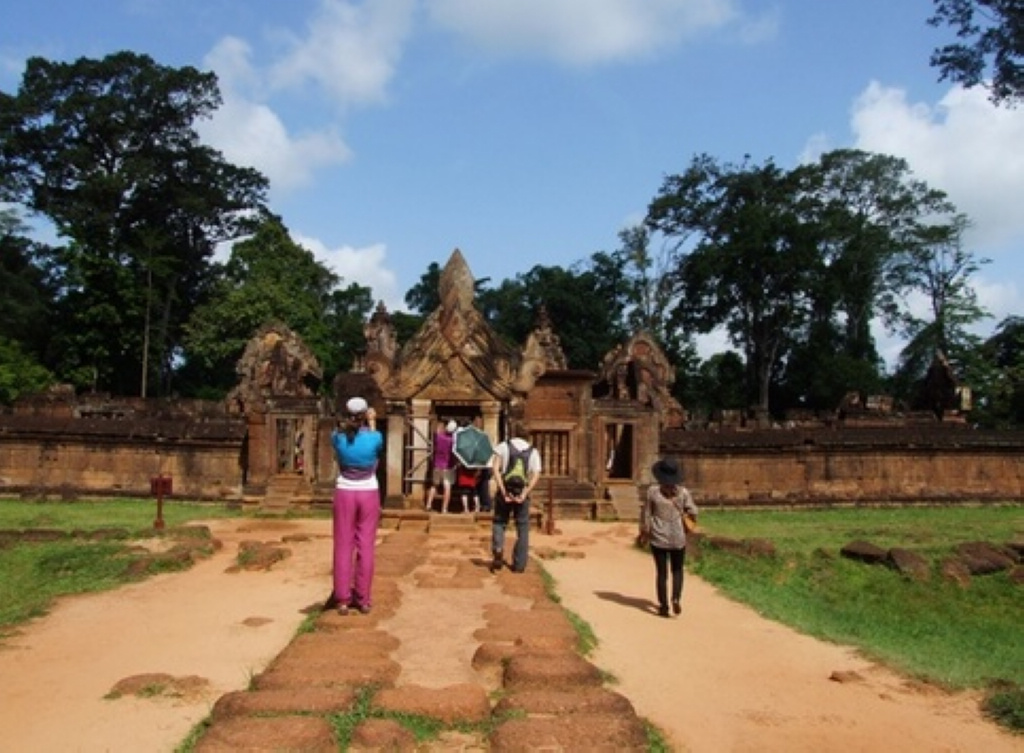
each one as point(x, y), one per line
point(356, 509)
point(517, 468)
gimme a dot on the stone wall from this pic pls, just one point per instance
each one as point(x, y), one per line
point(47, 455)
point(850, 465)
point(205, 451)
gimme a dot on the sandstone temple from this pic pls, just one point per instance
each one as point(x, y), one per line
point(598, 431)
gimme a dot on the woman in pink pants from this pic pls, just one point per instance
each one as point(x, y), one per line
point(356, 510)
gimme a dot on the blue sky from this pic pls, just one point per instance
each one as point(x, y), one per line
point(529, 132)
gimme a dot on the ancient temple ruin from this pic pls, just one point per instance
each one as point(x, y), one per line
point(598, 432)
point(457, 368)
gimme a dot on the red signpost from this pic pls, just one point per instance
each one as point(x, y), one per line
point(159, 486)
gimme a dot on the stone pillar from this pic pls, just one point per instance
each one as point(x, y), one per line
point(258, 451)
point(491, 412)
point(395, 454)
point(418, 467)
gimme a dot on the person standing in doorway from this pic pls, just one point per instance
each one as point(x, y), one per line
point(663, 526)
point(442, 465)
point(517, 468)
point(356, 510)
point(483, 480)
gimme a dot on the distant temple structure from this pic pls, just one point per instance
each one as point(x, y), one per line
point(457, 368)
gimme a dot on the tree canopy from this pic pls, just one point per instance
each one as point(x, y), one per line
point(796, 267)
point(270, 278)
point(107, 151)
point(990, 50)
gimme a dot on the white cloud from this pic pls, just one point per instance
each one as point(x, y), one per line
point(363, 266)
point(351, 50)
point(999, 297)
point(580, 32)
point(250, 133)
point(965, 146)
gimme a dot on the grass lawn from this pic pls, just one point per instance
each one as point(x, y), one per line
point(937, 630)
point(51, 549)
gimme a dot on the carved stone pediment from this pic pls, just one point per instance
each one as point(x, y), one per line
point(455, 354)
point(544, 344)
point(276, 364)
point(639, 371)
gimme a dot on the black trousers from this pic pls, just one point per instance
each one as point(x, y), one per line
point(666, 560)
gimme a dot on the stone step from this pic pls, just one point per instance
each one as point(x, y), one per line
point(285, 490)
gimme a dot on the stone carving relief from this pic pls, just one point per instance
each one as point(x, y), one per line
point(276, 363)
point(380, 333)
point(455, 354)
point(639, 370)
point(544, 344)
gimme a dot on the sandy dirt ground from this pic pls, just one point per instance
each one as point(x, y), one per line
point(717, 678)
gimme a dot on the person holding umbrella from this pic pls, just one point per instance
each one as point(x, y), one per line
point(483, 479)
point(474, 452)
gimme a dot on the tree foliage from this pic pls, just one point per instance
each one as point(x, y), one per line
point(749, 270)
point(578, 302)
point(107, 151)
point(795, 266)
point(270, 278)
point(990, 50)
point(25, 306)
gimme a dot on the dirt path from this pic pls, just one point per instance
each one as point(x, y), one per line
point(720, 678)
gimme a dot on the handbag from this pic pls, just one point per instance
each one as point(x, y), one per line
point(690, 524)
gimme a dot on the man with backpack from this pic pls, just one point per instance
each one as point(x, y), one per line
point(517, 468)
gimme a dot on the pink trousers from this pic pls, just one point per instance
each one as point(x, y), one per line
point(356, 513)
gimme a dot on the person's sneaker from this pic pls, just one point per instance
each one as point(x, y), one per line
point(363, 608)
point(343, 609)
point(663, 611)
point(497, 563)
point(677, 607)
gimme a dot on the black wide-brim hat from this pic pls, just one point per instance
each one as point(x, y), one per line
point(667, 471)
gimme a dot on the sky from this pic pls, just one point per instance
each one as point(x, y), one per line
point(531, 132)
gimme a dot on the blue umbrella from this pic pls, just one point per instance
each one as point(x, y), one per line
point(473, 447)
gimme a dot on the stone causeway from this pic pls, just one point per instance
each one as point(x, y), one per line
point(482, 661)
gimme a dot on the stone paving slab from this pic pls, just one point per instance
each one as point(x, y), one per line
point(531, 690)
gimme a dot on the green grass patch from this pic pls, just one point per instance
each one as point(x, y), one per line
point(54, 549)
point(586, 638)
point(133, 514)
point(1005, 706)
point(934, 630)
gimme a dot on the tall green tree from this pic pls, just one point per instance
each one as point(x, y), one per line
point(637, 284)
point(25, 306)
point(939, 269)
point(865, 211)
point(748, 270)
point(425, 296)
point(990, 50)
point(270, 278)
point(577, 304)
point(996, 378)
point(107, 150)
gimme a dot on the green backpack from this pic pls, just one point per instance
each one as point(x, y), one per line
point(517, 470)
